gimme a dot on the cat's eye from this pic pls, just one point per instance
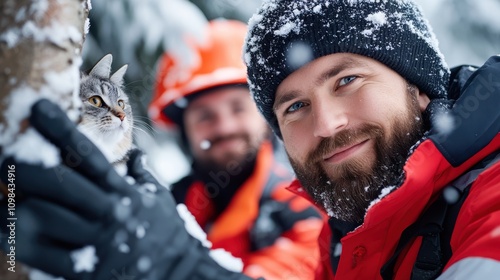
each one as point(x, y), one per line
point(121, 103)
point(96, 101)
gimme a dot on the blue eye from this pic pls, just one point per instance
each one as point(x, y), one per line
point(295, 106)
point(346, 80)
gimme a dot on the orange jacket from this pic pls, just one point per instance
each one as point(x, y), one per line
point(245, 227)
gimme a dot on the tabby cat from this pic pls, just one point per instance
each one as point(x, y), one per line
point(106, 116)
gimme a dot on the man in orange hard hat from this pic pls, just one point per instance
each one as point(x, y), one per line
point(236, 188)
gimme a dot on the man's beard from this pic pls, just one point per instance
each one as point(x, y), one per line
point(230, 160)
point(355, 183)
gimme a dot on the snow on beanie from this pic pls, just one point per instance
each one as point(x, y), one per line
point(286, 34)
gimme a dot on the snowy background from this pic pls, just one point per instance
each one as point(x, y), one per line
point(137, 32)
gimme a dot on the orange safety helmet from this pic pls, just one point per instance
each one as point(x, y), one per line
point(219, 63)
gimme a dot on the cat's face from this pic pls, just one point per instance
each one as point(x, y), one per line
point(106, 108)
point(107, 115)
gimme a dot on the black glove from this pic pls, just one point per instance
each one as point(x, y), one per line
point(84, 203)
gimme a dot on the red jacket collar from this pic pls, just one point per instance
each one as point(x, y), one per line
point(296, 188)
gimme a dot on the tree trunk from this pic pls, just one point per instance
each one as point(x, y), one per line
point(40, 47)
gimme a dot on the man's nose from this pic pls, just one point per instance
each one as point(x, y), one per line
point(225, 123)
point(329, 118)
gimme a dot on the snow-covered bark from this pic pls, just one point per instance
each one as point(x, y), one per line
point(40, 46)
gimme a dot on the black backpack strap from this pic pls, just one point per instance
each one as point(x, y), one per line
point(266, 228)
point(436, 226)
point(430, 225)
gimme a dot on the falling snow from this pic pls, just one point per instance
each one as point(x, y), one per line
point(444, 123)
point(338, 250)
point(144, 264)
point(84, 259)
point(299, 54)
point(451, 195)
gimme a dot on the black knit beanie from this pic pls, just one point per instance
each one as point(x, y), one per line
point(286, 34)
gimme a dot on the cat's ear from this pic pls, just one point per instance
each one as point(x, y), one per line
point(117, 77)
point(103, 67)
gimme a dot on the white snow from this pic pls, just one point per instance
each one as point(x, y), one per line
point(84, 259)
point(317, 9)
point(55, 33)
point(28, 147)
point(25, 145)
point(451, 195)
point(444, 123)
point(377, 20)
point(383, 193)
point(205, 145)
point(39, 8)
point(144, 264)
point(124, 248)
point(222, 257)
point(140, 231)
point(65, 82)
point(299, 54)
point(192, 226)
point(122, 210)
point(286, 28)
point(86, 28)
point(338, 250)
point(226, 260)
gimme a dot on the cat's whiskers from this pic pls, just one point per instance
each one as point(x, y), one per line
point(147, 119)
point(143, 124)
point(137, 130)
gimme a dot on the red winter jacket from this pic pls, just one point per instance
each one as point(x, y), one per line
point(272, 230)
point(476, 238)
point(435, 163)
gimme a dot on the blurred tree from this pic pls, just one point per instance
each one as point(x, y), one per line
point(468, 30)
point(136, 33)
point(231, 9)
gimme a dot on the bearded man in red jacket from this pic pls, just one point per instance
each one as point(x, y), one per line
point(361, 97)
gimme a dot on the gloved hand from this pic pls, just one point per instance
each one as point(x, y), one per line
point(81, 220)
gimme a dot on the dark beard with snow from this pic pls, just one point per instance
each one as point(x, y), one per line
point(357, 183)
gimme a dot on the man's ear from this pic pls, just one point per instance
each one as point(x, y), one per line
point(423, 100)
